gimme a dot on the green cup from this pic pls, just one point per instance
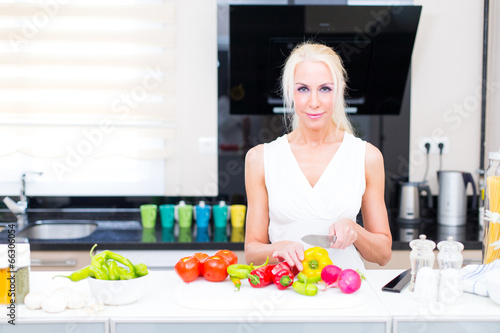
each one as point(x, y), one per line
point(148, 215)
point(185, 213)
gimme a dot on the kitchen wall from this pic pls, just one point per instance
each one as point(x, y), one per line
point(493, 100)
point(446, 86)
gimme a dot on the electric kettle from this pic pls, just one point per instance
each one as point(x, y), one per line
point(409, 203)
point(452, 199)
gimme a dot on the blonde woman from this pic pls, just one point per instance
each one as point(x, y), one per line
point(316, 179)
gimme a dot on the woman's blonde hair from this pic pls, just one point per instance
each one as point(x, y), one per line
point(316, 52)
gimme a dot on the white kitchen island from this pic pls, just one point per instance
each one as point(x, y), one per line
point(173, 306)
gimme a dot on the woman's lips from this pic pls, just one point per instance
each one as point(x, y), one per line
point(314, 115)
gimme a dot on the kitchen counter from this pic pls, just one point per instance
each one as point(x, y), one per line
point(171, 305)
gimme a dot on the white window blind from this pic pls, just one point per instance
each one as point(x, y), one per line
point(90, 93)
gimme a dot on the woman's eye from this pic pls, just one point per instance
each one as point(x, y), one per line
point(302, 89)
point(325, 89)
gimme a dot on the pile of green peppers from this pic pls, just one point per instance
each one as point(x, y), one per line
point(108, 265)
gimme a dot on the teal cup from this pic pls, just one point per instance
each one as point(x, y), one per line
point(220, 215)
point(167, 216)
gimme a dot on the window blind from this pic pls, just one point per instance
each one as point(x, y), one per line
point(89, 93)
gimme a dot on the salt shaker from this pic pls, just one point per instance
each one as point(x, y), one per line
point(450, 261)
point(421, 255)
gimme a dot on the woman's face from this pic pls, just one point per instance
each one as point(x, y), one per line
point(313, 94)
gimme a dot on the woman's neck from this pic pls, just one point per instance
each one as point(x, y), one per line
point(304, 135)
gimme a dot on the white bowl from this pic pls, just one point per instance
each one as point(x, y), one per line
point(493, 284)
point(118, 292)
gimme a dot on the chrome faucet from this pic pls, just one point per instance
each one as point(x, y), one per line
point(20, 208)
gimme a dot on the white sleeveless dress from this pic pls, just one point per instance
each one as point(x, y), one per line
point(297, 209)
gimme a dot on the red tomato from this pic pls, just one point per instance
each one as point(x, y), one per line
point(188, 268)
point(230, 256)
point(201, 257)
point(215, 269)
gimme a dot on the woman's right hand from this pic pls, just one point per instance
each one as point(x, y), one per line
point(291, 252)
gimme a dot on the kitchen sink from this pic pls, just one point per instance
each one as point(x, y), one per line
point(59, 229)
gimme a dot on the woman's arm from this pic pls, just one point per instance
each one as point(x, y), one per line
point(374, 241)
point(257, 247)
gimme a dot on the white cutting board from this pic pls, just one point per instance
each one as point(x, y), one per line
point(204, 295)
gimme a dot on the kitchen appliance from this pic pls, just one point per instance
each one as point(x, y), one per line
point(452, 199)
point(364, 36)
point(409, 203)
point(320, 240)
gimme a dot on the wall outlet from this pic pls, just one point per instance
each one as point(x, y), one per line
point(434, 144)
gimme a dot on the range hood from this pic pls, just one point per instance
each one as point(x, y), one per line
point(375, 43)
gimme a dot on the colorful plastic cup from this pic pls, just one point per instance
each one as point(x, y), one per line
point(202, 213)
point(238, 213)
point(167, 215)
point(148, 215)
point(185, 214)
point(220, 213)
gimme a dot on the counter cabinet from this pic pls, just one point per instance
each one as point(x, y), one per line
point(74, 325)
point(161, 311)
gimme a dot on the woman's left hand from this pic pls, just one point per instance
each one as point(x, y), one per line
point(345, 230)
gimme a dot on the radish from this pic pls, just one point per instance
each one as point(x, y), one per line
point(350, 281)
point(330, 275)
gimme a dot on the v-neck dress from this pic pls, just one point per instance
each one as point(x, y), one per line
point(296, 208)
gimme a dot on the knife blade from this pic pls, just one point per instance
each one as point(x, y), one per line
point(320, 240)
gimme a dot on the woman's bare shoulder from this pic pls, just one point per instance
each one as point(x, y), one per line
point(255, 156)
point(374, 162)
point(373, 156)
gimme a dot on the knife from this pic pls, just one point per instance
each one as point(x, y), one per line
point(320, 240)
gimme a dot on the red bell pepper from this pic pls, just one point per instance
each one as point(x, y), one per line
point(282, 275)
point(261, 276)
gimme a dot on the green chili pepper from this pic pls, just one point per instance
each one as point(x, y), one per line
point(114, 274)
point(239, 271)
point(242, 271)
point(306, 289)
point(99, 272)
point(79, 275)
point(125, 274)
point(141, 270)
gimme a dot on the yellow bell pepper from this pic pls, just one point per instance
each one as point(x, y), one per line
point(315, 258)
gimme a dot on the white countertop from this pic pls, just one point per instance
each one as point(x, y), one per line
point(169, 299)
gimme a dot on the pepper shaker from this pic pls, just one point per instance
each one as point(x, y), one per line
point(450, 261)
point(422, 255)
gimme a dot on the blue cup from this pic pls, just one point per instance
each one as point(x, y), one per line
point(202, 212)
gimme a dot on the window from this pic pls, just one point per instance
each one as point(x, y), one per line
point(108, 97)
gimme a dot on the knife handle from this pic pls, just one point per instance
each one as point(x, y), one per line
point(398, 283)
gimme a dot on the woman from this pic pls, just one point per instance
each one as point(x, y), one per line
point(315, 179)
